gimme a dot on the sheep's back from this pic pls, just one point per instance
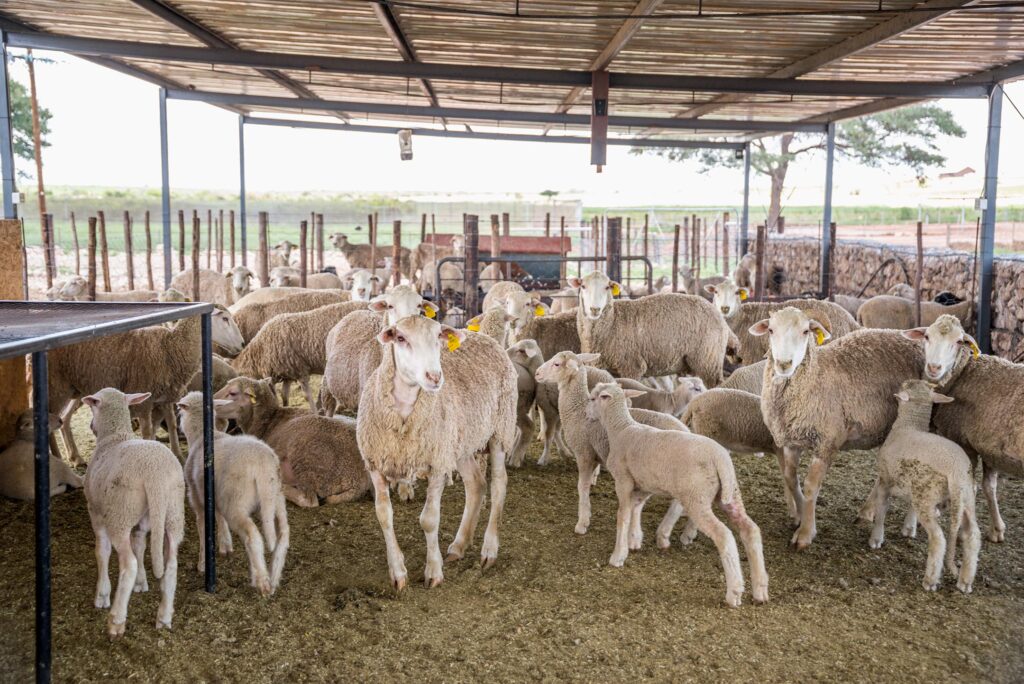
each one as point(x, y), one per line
point(352, 353)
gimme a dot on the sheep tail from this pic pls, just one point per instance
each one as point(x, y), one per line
point(267, 492)
point(158, 501)
point(730, 488)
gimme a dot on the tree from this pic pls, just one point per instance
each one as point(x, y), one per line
point(21, 122)
point(908, 136)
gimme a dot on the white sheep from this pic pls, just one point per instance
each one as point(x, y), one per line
point(292, 277)
point(928, 471)
point(495, 323)
point(132, 487)
point(898, 313)
point(426, 412)
point(747, 378)
point(247, 481)
point(218, 288)
point(673, 401)
point(693, 470)
point(362, 284)
point(17, 464)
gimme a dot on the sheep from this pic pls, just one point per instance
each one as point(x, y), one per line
point(253, 317)
point(281, 254)
point(645, 337)
point(423, 264)
point(637, 291)
point(17, 464)
point(266, 295)
point(673, 402)
point(452, 277)
point(552, 333)
point(827, 398)
point(564, 300)
point(494, 323)
point(747, 378)
point(157, 359)
point(132, 486)
point(218, 288)
point(351, 351)
point(248, 480)
point(222, 372)
point(76, 289)
point(692, 469)
point(527, 358)
point(928, 471)
point(740, 315)
point(499, 292)
point(358, 256)
point(291, 277)
point(688, 280)
point(584, 437)
point(172, 295)
point(424, 412)
point(455, 317)
point(897, 313)
point(853, 304)
point(319, 456)
point(290, 347)
point(362, 284)
point(984, 417)
point(743, 274)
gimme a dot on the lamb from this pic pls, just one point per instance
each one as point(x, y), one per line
point(290, 347)
point(984, 417)
point(527, 358)
point(673, 402)
point(17, 464)
point(362, 284)
point(928, 471)
point(319, 457)
point(824, 399)
point(358, 256)
point(159, 360)
point(588, 442)
point(352, 354)
point(291, 277)
point(224, 289)
point(740, 315)
point(747, 378)
point(626, 333)
point(252, 318)
point(637, 291)
point(266, 295)
point(897, 313)
point(692, 469)
point(424, 412)
point(494, 323)
point(132, 487)
point(248, 480)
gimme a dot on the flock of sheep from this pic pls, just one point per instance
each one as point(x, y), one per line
point(657, 389)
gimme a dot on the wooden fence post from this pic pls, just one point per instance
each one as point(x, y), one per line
point(917, 276)
point(231, 236)
point(647, 254)
point(90, 258)
point(471, 270)
point(613, 249)
point(129, 258)
point(675, 260)
point(209, 238)
point(104, 254)
point(303, 264)
point(433, 231)
point(74, 239)
point(181, 239)
point(396, 251)
point(263, 257)
point(373, 244)
point(562, 251)
point(220, 241)
point(547, 224)
point(46, 228)
point(759, 276)
point(320, 242)
point(196, 242)
point(496, 241)
point(687, 243)
point(725, 243)
point(629, 249)
point(697, 254)
point(423, 228)
point(149, 252)
point(506, 231)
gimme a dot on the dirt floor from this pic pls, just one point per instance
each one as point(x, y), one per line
point(552, 609)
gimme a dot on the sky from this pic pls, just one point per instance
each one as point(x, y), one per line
point(105, 132)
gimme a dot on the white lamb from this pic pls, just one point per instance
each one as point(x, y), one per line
point(17, 464)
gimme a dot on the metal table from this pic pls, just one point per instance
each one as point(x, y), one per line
point(37, 327)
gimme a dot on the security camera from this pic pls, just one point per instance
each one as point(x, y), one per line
point(405, 143)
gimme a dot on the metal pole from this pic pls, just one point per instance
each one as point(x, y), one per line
point(826, 219)
point(165, 188)
point(41, 420)
point(745, 218)
point(471, 272)
point(241, 183)
point(6, 138)
point(988, 218)
point(208, 491)
point(613, 249)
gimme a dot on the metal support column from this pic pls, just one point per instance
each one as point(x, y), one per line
point(165, 188)
point(826, 219)
point(41, 420)
point(988, 218)
point(745, 218)
point(210, 533)
point(241, 184)
point(6, 138)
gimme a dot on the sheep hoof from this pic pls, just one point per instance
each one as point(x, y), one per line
point(733, 599)
point(102, 601)
point(616, 562)
point(965, 587)
point(487, 562)
point(432, 582)
point(160, 624)
point(761, 595)
point(452, 557)
point(115, 630)
point(996, 536)
point(801, 541)
point(930, 586)
point(581, 528)
point(398, 583)
point(263, 587)
point(664, 543)
point(875, 543)
point(908, 531)
point(140, 587)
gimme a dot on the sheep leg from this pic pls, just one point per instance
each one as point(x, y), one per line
point(473, 481)
point(750, 535)
point(168, 583)
point(880, 506)
point(244, 527)
point(224, 542)
point(970, 543)
point(805, 534)
point(283, 541)
point(139, 549)
point(636, 532)
point(286, 391)
point(663, 537)
point(563, 448)
point(127, 569)
point(197, 506)
point(65, 432)
point(724, 540)
point(102, 599)
point(527, 431)
point(430, 519)
point(298, 497)
point(989, 482)
point(145, 416)
point(172, 429)
point(385, 516)
point(310, 401)
point(624, 489)
point(789, 459)
point(551, 423)
point(499, 486)
point(936, 547)
point(585, 466)
point(909, 528)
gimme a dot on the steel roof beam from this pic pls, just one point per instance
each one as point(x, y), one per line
point(477, 73)
point(389, 22)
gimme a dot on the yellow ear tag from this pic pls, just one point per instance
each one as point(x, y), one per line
point(473, 325)
point(429, 311)
point(252, 397)
point(615, 289)
point(819, 336)
point(743, 298)
point(974, 349)
point(453, 341)
point(539, 310)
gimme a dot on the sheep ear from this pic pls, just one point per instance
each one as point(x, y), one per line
point(744, 294)
point(632, 393)
point(134, 399)
point(387, 335)
point(473, 324)
point(375, 279)
point(221, 402)
point(972, 345)
point(574, 282)
point(821, 335)
point(759, 328)
point(588, 359)
point(902, 396)
point(91, 400)
point(509, 318)
point(710, 289)
point(429, 310)
point(941, 398)
point(615, 288)
point(916, 334)
point(379, 304)
point(541, 309)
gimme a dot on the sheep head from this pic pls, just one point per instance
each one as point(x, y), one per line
point(945, 346)
point(418, 342)
point(110, 411)
point(727, 297)
point(563, 365)
point(400, 302)
point(225, 331)
point(790, 333)
point(596, 292)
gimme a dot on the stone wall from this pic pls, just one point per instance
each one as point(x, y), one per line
point(856, 262)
